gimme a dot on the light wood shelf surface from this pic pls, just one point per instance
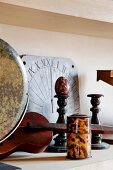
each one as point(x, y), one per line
point(51, 21)
point(100, 10)
point(101, 159)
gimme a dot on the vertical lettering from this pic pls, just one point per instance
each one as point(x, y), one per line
point(30, 71)
point(48, 62)
point(43, 62)
point(38, 67)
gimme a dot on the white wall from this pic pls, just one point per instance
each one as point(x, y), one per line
point(88, 53)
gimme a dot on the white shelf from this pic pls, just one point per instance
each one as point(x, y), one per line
point(100, 10)
point(101, 159)
point(51, 21)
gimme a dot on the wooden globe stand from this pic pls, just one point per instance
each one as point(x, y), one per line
point(96, 138)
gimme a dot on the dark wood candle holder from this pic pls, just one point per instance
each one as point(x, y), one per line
point(62, 90)
point(96, 138)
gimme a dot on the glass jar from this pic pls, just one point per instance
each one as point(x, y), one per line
point(78, 137)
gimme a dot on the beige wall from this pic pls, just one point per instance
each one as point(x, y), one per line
point(88, 53)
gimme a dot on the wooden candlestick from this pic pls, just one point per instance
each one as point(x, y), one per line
point(62, 90)
point(96, 138)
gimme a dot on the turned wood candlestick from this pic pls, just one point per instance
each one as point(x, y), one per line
point(62, 90)
point(96, 138)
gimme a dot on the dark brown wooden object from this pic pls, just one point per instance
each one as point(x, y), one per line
point(105, 75)
point(62, 91)
point(96, 138)
point(27, 139)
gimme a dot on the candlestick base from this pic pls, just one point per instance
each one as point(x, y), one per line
point(60, 143)
point(96, 138)
point(59, 149)
point(99, 146)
